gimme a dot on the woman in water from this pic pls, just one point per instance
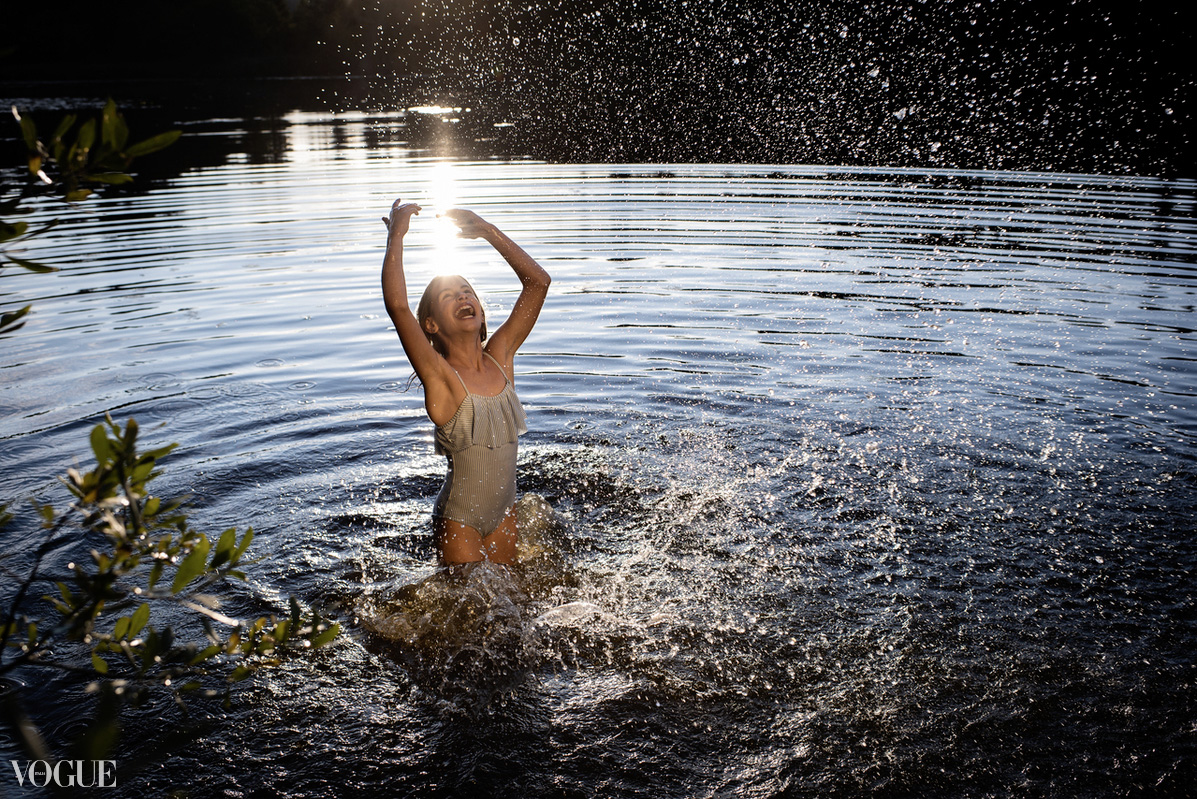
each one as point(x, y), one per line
point(469, 388)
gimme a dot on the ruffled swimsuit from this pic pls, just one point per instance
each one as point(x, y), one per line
point(480, 441)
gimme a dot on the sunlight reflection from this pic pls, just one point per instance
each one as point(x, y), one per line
point(442, 187)
point(442, 195)
point(311, 139)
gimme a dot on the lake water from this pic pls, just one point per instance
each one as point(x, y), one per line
point(864, 481)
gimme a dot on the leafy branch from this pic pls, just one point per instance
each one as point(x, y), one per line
point(151, 557)
point(96, 152)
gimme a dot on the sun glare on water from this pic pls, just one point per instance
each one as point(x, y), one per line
point(442, 196)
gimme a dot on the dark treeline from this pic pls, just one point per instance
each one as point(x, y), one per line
point(1088, 85)
point(180, 38)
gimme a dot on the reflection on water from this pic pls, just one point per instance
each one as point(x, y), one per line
point(866, 480)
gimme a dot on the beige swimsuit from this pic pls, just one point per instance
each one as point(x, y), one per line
point(480, 441)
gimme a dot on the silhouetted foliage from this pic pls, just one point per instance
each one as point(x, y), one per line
point(96, 152)
point(139, 561)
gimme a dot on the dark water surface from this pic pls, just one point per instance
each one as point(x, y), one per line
point(864, 481)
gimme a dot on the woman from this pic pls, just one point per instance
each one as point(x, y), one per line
point(469, 388)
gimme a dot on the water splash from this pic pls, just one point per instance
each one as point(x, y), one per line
point(467, 634)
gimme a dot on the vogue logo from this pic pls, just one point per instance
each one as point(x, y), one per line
point(67, 773)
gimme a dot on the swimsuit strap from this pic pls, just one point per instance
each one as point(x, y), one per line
point(496, 363)
point(459, 380)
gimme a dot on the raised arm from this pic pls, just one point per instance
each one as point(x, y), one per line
point(429, 365)
point(512, 333)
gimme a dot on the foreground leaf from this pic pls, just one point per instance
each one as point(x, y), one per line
point(32, 266)
point(12, 320)
point(192, 566)
point(153, 144)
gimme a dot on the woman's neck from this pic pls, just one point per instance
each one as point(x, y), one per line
point(465, 354)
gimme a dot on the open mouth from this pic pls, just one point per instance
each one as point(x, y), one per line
point(466, 312)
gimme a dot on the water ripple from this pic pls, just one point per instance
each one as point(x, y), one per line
point(869, 479)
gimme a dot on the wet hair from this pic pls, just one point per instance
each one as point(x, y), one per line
point(424, 309)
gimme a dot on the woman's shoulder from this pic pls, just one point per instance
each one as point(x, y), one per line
point(504, 361)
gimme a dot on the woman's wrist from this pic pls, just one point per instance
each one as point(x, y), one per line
point(491, 233)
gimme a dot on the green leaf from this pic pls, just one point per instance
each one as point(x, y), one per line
point(111, 178)
point(98, 663)
point(240, 673)
point(32, 266)
point(87, 135)
point(205, 654)
point(10, 321)
point(100, 445)
point(11, 230)
point(141, 473)
point(139, 619)
point(64, 609)
point(153, 144)
point(192, 566)
point(78, 195)
point(151, 507)
point(121, 134)
point(224, 547)
point(244, 545)
point(64, 126)
point(155, 573)
point(28, 130)
point(326, 636)
point(108, 120)
point(155, 454)
point(121, 628)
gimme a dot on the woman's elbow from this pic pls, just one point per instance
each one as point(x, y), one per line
point(396, 309)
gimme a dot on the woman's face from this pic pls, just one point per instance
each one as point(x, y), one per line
point(455, 306)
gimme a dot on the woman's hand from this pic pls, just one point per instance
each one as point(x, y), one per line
point(472, 226)
point(400, 219)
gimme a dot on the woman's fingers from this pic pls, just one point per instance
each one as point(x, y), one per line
point(469, 222)
point(462, 217)
point(400, 207)
point(402, 212)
